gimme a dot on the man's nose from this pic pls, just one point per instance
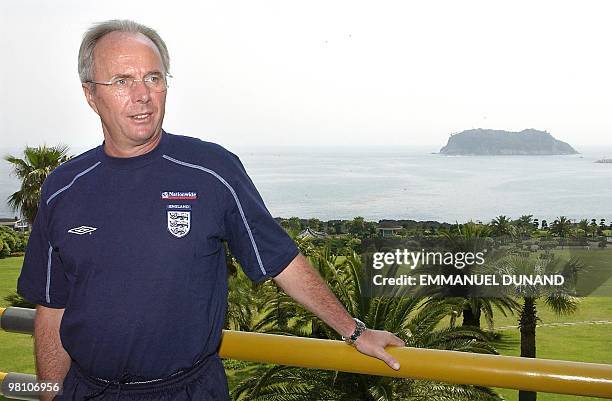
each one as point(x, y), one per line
point(140, 92)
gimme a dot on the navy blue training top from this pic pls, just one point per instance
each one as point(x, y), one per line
point(131, 248)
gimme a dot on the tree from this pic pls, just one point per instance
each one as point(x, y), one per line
point(473, 238)
point(292, 226)
point(314, 224)
point(557, 297)
point(11, 241)
point(246, 299)
point(593, 227)
point(357, 226)
point(32, 170)
point(562, 226)
point(500, 226)
point(5, 249)
point(525, 224)
point(584, 226)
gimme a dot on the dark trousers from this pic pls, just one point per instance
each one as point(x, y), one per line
point(205, 381)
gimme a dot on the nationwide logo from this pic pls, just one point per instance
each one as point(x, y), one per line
point(175, 195)
point(82, 230)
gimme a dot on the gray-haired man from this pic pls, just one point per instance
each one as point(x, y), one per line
point(125, 259)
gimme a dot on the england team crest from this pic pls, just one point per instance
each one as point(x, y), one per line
point(179, 220)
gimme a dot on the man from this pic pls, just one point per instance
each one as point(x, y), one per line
point(125, 260)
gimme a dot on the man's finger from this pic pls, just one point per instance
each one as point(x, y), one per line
point(389, 360)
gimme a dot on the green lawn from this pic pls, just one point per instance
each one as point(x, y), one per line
point(582, 343)
point(16, 350)
point(9, 271)
point(586, 343)
point(590, 308)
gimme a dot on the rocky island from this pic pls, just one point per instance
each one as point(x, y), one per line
point(498, 142)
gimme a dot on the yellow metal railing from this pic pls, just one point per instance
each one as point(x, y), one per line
point(541, 375)
point(552, 376)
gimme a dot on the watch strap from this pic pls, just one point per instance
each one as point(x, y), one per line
point(360, 327)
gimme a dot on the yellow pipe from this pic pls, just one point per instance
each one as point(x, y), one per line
point(551, 376)
point(545, 375)
point(2, 376)
point(2, 311)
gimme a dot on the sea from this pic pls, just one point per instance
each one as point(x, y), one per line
point(414, 183)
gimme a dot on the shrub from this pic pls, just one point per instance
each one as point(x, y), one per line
point(15, 240)
point(15, 299)
point(5, 249)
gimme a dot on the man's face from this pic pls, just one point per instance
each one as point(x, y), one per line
point(134, 117)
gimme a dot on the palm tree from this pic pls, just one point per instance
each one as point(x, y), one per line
point(241, 303)
point(32, 170)
point(500, 226)
point(561, 226)
point(473, 238)
point(246, 299)
point(557, 298)
point(526, 219)
point(410, 318)
point(525, 225)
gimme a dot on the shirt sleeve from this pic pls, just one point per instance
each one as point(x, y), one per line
point(42, 280)
point(260, 244)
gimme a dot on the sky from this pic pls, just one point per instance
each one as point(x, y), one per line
point(325, 73)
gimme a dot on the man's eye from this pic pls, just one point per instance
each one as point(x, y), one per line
point(154, 78)
point(121, 82)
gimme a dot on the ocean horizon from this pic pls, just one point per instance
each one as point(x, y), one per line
point(383, 182)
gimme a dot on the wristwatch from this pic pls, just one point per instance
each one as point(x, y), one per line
point(359, 329)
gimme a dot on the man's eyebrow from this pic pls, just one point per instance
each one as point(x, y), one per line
point(131, 76)
point(122, 76)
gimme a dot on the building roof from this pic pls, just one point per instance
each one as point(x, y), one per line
point(309, 233)
point(389, 225)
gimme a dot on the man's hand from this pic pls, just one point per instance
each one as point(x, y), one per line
point(373, 343)
point(304, 284)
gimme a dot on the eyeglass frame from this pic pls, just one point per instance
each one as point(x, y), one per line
point(143, 80)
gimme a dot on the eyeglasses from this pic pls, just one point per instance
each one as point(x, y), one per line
point(156, 82)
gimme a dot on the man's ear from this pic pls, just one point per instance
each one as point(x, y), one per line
point(89, 95)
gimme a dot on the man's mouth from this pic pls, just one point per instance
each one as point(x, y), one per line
point(140, 117)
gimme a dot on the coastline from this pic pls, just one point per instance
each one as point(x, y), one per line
point(407, 183)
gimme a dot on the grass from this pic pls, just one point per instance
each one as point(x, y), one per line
point(584, 343)
point(9, 271)
point(590, 308)
point(16, 350)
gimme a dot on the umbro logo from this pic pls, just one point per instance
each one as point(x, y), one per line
point(82, 230)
